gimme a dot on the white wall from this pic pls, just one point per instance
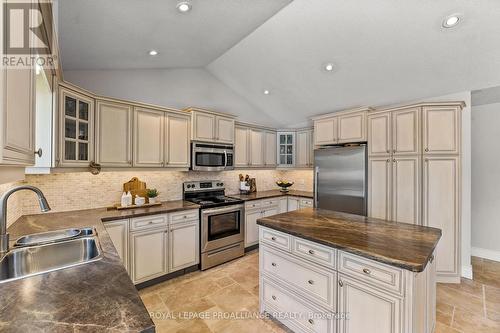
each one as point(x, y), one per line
point(175, 88)
point(486, 180)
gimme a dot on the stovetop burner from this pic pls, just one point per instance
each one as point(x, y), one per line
point(214, 201)
point(208, 194)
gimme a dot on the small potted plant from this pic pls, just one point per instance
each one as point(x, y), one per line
point(152, 195)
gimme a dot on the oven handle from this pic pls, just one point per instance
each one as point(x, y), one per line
point(225, 159)
point(222, 210)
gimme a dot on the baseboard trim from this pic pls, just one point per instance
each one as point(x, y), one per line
point(467, 271)
point(447, 279)
point(486, 254)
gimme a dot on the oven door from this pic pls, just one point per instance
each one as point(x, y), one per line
point(221, 227)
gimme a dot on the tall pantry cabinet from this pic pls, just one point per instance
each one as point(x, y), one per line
point(414, 173)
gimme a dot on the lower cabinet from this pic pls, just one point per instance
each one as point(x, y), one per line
point(369, 309)
point(118, 232)
point(293, 203)
point(148, 254)
point(283, 205)
point(255, 210)
point(184, 245)
point(305, 203)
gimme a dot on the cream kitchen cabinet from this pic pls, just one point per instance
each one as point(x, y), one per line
point(241, 146)
point(148, 254)
point(304, 151)
point(306, 203)
point(177, 144)
point(293, 203)
point(256, 147)
point(325, 131)
point(211, 126)
point(441, 129)
point(118, 232)
point(76, 128)
point(341, 127)
point(441, 209)
point(184, 245)
point(113, 134)
point(283, 205)
point(254, 210)
point(379, 187)
point(379, 134)
point(269, 149)
point(369, 309)
point(352, 127)
point(149, 138)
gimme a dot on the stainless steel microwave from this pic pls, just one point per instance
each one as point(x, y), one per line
point(211, 156)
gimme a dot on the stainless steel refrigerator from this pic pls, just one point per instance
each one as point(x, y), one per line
point(340, 179)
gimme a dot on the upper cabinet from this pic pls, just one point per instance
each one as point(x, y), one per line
point(441, 129)
point(113, 134)
point(241, 146)
point(286, 149)
point(177, 143)
point(304, 148)
point(76, 128)
point(254, 146)
point(211, 126)
point(269, 148)
point(149, 138)
point(342, 127)
point(405, 131)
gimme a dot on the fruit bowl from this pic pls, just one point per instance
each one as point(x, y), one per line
point(284, 185)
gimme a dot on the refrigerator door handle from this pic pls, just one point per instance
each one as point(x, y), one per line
point(316, 174)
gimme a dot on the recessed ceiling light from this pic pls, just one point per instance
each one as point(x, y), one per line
point(266, 92)
point(451, 21)
point(329, 67)
point(153, 52)
point(184, 6)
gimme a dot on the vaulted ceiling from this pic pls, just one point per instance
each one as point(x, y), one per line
point(384, 51)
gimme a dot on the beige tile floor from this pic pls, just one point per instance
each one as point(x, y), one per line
point(232, 289)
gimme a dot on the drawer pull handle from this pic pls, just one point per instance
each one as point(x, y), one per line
point(311, 321)
point(150, 222)
point(185, 216)
point(273, 238)
point(273, 297)
point(366, 271)
point(273, 264)
point(341, 283)
point(311, 251)
point(310, 282)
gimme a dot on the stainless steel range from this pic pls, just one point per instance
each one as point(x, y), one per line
point(222, 231)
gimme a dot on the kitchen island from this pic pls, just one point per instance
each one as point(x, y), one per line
point(326, 271)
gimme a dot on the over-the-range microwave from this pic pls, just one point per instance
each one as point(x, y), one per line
point(208, 156)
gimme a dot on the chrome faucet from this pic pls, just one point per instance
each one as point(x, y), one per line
point(4, 236)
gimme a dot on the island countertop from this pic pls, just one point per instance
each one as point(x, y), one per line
point(97, 296)
point(272, 194)
point(402, 245)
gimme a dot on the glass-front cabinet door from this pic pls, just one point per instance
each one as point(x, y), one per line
point(286, 149)
point(76, 128)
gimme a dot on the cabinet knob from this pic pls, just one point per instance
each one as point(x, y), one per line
point(311, 321)
point(394, 160)
point(39, 152)
point(366, 271)
point(273, 264)
point(273, 238)
point(310, 282)
point(311, 251)
point(388, 160)
point(273, 297)
point(341, 283)
point(426, 149)
point(388, 151)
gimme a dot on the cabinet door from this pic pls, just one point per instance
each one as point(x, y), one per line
point(113, 134)
point(441, 193)
point(76, 123)
point(283, 205)
point(177, 143)
point(303, 149)
point(286, 149)
point(405, 131)
point(241, 146)
point(293, 203)
point(352, 127)
point(148, 254)
point(149, 138)
point(270, 212)
point(325, 131)
point(251, 228)
point(379, 134)
point(270, 149)
point(379, 187)
point(225, 130)
point(441, 130)
point(369, 309)
point(183, 242)
point(118, 232)
point(203, 126)
point(18, 117)
point(256, 147)
point(406, 189)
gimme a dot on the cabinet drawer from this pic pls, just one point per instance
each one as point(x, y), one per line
point(269, 202)
point(314, 252)
point(306, 203)
point(253, 204)
point(311, 281)
point(275, 238)
point(184, 216)
point(306, 318)
point(372, 272)
point(148, 222)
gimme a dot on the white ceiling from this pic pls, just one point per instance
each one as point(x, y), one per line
point(386, 51)
point(111, 34)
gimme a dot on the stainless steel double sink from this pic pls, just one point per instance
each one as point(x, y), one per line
point(50, 251)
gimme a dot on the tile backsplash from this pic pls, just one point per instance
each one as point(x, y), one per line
point(82, 190)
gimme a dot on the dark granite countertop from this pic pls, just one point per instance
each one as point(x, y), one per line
point(93, 297)
point(272, 194)
point(402, 245)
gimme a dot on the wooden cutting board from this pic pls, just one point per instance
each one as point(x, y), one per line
point(136, 188)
